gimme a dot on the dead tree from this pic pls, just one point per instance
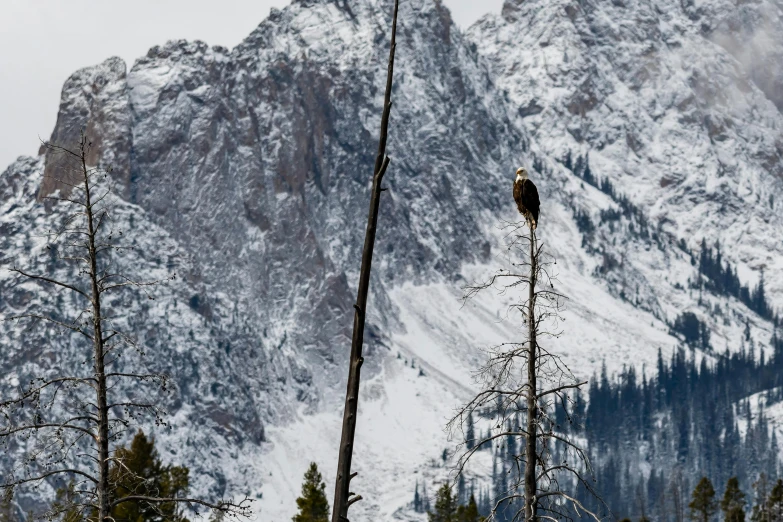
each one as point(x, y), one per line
point(521, 384)
point(342, 495)
point(65, 423)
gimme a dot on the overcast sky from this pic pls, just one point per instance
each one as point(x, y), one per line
point(43, 41)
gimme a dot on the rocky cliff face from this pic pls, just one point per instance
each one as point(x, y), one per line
point(247, 172)
point(665, 100)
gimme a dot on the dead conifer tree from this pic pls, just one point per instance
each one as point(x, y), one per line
point(62, 428)
point(344, 475)
point(521, 385)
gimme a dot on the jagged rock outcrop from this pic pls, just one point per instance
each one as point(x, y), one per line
point(247, 172)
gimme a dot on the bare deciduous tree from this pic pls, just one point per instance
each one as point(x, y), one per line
point(521, 384)
point(64, 425)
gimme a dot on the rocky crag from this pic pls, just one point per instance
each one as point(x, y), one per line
point(247, 172)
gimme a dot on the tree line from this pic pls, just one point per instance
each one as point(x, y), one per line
point(650, 440)
point(655, 437)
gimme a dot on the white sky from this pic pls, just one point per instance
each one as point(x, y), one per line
point(43, 41)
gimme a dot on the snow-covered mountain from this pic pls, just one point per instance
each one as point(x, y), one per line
point(247, 172)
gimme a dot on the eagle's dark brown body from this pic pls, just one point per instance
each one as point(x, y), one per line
point(526, 196)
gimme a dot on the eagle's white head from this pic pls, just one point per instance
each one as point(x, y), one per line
point(521, 174)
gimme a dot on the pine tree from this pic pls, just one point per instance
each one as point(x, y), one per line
point(313, 506)
point(139, 471)
point(425, 503)
point(445, 506)
point(568, 162)
point(469, 513)
point(759, 299)
point(775, 503)
point(577, 419)
point(733, 503)
point(417, 507)
point(470, 433)
point(461, 489)
point(760, 511)
point(703, 505)
point(484, 505)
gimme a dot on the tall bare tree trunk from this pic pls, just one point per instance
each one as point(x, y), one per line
point(526, 378)
point(532, 399)
point(67, 420)
point(546, 387)
point(100, 371)
point(341, 491)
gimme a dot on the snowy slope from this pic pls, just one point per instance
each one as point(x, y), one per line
point(251, 167)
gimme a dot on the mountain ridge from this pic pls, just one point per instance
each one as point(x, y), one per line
point(254, 163)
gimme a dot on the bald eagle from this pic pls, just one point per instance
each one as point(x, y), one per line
point(526, 196)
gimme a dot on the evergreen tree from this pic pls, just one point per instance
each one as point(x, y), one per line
point(470, 433)
point(445, 506)
point(775, 503)
point(312, 504)
point(461, 489)
point(485, 506)
point(587, 174)
point(577, 419)
point(568, 162)
point(703, 505)
point(759, 299)
point(733, 503)
point(760, 511)
point(417, 504)
point(139, 471)
point(469, 513)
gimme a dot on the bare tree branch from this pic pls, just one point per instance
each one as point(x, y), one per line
point(18, 482)
point(53, 321)
point(49, 280)
point(226, 506)
point(525, 379)
point(65, 429)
